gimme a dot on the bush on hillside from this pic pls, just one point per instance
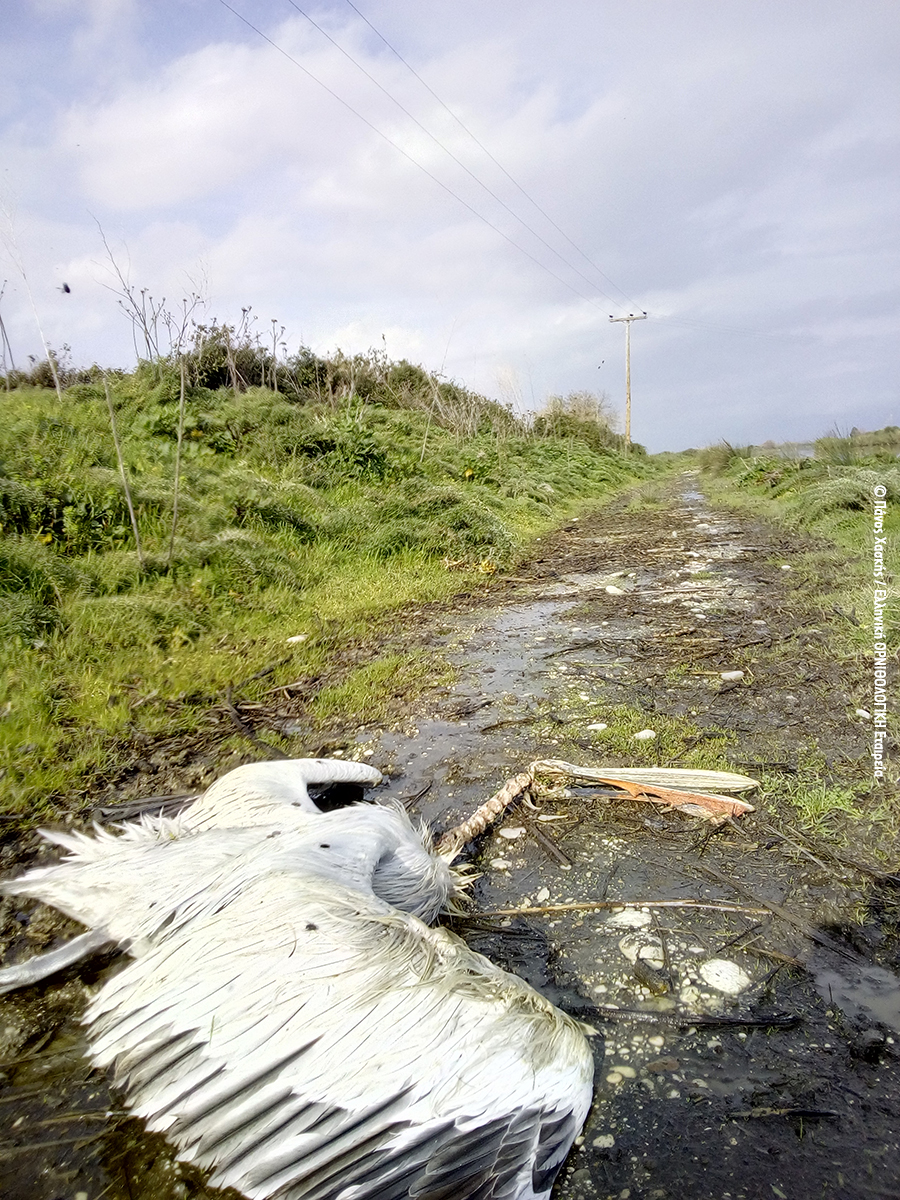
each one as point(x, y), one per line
point(582, 415)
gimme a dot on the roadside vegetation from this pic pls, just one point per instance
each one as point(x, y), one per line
point(831, 495)
point(171, 532)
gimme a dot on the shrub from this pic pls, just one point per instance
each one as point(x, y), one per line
point(240, 562)
point(849, 490)
point(721, 457)
point(581, 415)
point(440, 520)
point(24, 619)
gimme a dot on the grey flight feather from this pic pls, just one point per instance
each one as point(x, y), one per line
point(345, 1023)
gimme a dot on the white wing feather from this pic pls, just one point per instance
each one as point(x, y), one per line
point(133, 886)
point(289, 1024)
point(271, 792)
point(306, 1040)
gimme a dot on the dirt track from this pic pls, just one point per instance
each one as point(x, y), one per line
point(806, 1106)
point(783, 1083)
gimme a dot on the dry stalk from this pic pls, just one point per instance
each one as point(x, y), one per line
point(118, 445)
point(177, 481)
point(590, 905)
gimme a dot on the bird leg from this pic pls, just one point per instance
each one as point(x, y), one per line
point(454, 839)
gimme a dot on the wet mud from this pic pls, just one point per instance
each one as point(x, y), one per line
point(747, 1024)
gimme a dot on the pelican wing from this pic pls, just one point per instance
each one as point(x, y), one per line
point(160, 871)
point(128, 885)
point(308, 1041)
point(268, 792)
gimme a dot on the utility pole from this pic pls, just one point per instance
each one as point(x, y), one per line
point(631, 317)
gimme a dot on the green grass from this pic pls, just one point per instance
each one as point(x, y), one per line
point(312, 510)
point(678, 742)
point(822, 808)
point(835, 503)
point(365, 693)
point(830, 498)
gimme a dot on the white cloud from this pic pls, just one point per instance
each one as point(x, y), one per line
point(726, 166)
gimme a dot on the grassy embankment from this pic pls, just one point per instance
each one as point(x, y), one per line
point(306, 509)
point(832, 496)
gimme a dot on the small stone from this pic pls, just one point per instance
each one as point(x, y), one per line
point(630, 918)
point(511, 832)
point(499, 864)
point(725, 976)
point(599, 726)
point(645, 735)
point(298, 637)
point(605, 1141)
point(731, 676)
point(614, 591)
point(543, 895)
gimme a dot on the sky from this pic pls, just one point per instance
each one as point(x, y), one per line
point(477, 187)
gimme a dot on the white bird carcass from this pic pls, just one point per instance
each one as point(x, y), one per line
point(290, 1022)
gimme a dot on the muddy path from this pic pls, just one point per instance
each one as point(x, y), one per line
point(750, 1048)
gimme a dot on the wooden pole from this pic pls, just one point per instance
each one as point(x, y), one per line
point(631, 317)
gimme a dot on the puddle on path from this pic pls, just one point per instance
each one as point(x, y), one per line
point(863, 991)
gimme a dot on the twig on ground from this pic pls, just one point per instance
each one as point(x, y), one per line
point(30, 1147)
point(262, 674)
point(702, 1020)
point(589, 905)
point(765, 1111)
point(549, 844)
point(409, 801)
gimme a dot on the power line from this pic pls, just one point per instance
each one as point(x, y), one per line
point(495, 161)
point(408, 156)
point(451, 155)
point(689, 324)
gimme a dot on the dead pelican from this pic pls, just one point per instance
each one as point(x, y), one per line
point(291, 1024)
